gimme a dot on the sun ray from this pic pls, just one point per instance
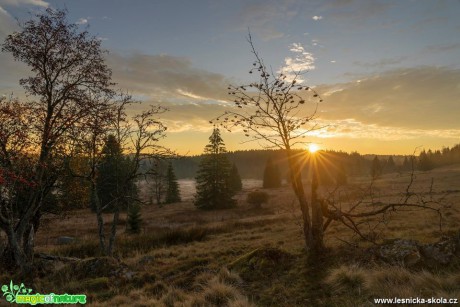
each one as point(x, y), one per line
point(312, 148)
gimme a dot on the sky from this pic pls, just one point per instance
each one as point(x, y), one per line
point(388, 71)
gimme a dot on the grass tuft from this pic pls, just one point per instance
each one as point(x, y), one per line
point(346, 279)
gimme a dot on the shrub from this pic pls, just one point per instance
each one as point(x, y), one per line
point(257, 198)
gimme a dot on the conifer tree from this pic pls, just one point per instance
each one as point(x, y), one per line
point(272, 177)
point(112, 180)
point(212, 180)
point(425, 162)
point(406, 164)
point(235, 180)
point(390, 165)
point(341, 176)
point(376, 168)
point(134, 219)
point(172, 193)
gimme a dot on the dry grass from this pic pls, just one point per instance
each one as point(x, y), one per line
point(388, 282)
point(181, 255)
point(215, 291)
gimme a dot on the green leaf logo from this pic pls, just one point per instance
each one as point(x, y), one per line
point(10, 292)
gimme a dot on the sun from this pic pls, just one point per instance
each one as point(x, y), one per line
point(313, 147)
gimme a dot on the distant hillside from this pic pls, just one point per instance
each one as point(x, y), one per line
point(251, 163)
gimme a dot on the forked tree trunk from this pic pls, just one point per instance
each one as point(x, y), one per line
point(312, 225)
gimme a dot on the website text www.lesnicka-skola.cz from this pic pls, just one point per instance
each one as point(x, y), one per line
point(416, 300)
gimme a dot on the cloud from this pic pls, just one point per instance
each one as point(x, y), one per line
point(165, 77)
point(354, 129)
point(262, 17)
point(303, 61)
point(6, 23)
point(82, 21)
point(192, 117)
point(414, 98)
point(353, 12)
point(40, 3)
point(383, 63)
point(441, 48)
point(316, 18)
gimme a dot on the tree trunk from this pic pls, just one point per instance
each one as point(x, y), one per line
point(13, 255)
point(317, 215)
point(113, 231)
point(100, 220)
point(312, 225)
point(29, 244)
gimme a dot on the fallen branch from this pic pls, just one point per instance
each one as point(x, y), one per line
point(56, 258)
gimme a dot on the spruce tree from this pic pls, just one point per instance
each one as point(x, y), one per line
point(406, 166)
point(172, 193)
point(212, 180)
point(425, 163)
point(134, 219)
point(272, 177)
point(235, 180)
point(113, 185)
point(376, 168)
point(341, 176)
point(390, 165)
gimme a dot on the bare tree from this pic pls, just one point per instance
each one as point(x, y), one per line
point(138, 137)
point(364, 209)
point(278, 111)
point(87, 143)
point(67, 67)
point(274, 111)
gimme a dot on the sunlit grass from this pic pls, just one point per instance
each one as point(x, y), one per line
point(180, 259)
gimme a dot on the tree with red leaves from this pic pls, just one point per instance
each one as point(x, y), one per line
point(67, 69)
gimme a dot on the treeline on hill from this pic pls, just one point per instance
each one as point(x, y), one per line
point(251, 163)
point(432, 159)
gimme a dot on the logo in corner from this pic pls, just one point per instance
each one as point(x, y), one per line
point(20, 294)
point(13, 290)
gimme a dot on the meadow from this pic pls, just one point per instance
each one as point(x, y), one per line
point(250, 257)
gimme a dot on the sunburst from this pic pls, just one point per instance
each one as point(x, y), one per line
point(312, 148)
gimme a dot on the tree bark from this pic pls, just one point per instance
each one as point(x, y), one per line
point(317, 215)
point(100, 220)
point(312, 225)
point(297, 186)
point(113, 231)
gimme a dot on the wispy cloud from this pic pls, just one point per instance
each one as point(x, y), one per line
point(302, 61)
point(165, 77)
point(262, 17)
point(6, 22)
point(316, 17)
point(411, 98)
point(4, 12)
point(383, 63)
point(352, 128)
point(442, 48)
point(82, 21)
point(353, 12)
point(26, 2)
